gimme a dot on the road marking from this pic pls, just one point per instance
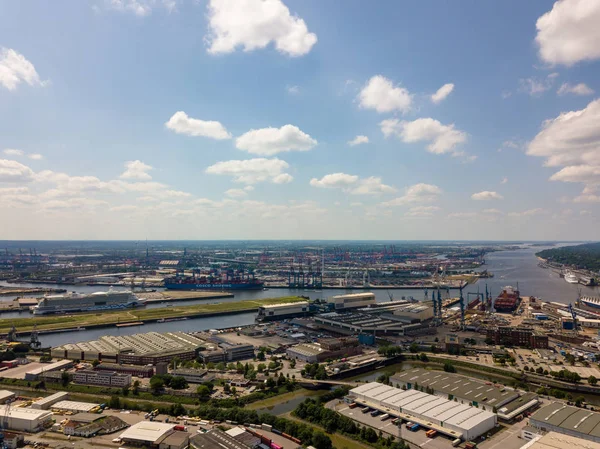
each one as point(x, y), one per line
point(425, 442)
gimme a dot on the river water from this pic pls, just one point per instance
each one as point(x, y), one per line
point(509, 268)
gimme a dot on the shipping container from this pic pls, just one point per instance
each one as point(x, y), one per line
point(275, 446)
point(180, 428)
point(414, 427)
point(470, 445)
point(375, 413)
point(365, 410)
point(456, 442)
point(431, 433)
point(384, 416)
point(353, 405)
point(276, 431)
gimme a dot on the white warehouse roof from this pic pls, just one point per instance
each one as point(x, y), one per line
point(148, 431)
point(466, 420)
point(27, 414)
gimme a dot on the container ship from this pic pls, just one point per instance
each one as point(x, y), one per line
point(214, 280)
point(78, 302)
point(508, 300)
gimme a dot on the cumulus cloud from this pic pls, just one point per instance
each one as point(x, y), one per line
point(571, 141)
point(254, 24)
point(334, 180)
point(140, 8)
point(236, 193)
point(13, 152)
point(569, 33)
point(536, 86)
point(442, 93)
point(380, 94)
point(14, 172)
point(463, 215)
point(252, 171)
point(527, 213)
point(589, 194)
point(182, 124)
point(35, 156)
point(271, 141)
point(358, 140)
point(486, 195)
point(443, 138)
point(371, 186)
point(136, 170)
point(492, 211)
point(421, 211)
point(16, 69)
point(577, 89)
point(417, 193)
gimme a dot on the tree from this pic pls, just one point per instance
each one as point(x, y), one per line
point(227, 388)
point(234, 391)
point(423, 357)
point(136, 387)
point(293, 363)
point(321, 441)
point(114, 402)
point(449, 367)
point(203, 391)
point(65, 378)
point(125, 390)
point(413, 348)
point(156, 384)
point(261, 367)
point(592, 380)
point(260, 356)
point(271, 383)
point(221, 366)
point(178, 383)
point(95, 363)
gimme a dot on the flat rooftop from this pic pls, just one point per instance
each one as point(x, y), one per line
point(555, 440)
point(215, 439)
point(27, 414)
point(457, 385)
point(147, 431)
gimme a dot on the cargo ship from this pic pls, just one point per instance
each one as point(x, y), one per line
point(213, 280)
point(78, 302)
point(508, 300)
point(589, 302)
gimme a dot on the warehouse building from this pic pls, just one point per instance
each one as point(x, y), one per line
point(553, 440)
point(25, 419)
point(74, 406)
point(36, 373)
point(6, 396)
point(139, 349)
point(506, 402)
point(107, 379)
point(235, 352)
point(445, 416)
point(518, 336)
point(273, 312)
point(49, 401)
point(351, 301)
point(414, 313)
point(155, 435)
point(193, 376)
point(568, 420)
point(329, 348)
point(133, 370)
point(216, 438)
point(368, 322)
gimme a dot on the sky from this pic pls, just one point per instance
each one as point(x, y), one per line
point(300, 119)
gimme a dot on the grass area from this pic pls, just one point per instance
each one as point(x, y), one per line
point(132, 315)
point(282, 398)
point(339, 441)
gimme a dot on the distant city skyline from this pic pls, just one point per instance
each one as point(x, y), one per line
point(166, 119)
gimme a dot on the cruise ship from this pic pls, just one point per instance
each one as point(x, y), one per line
point(571, 278)
point(92, 302)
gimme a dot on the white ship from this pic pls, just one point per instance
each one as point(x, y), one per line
point(590, 302)
point(77, 302)
point(571, 278)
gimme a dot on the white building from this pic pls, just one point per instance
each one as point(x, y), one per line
point(74, 406)
point(25, 419)
point(414, 312)
point(47, 402)
point(104, 378)
point(147, 433)
point(352, 301)
point(280, 311)
point(448, 417)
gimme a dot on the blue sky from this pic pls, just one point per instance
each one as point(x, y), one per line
point(91, 146)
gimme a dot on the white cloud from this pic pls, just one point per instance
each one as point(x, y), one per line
point(417, 193)
point(380, 94)
point(492, 211)
point(13, 152)
point(527, 213)
point(15, 69)
point(569, 33)
point(504, 180)
point(442, 93)
point(252, 171)
point(463, 215)
point(136, 170)
point(443, 138)
point(358, 140)
point(372, 186)
point(254, 24)
point(486, 195)
point(182, 124)
point(271, 141)
point(577, 89)
point(590, 194)
point(356, 204)
point(124, 208)
point(536, 86)
point(13, 171)
point(421, 211)
point(335, 180)
point(35, 156)
point(571, 141)
point(293, 90)
point(236, 193)
point(140, 8)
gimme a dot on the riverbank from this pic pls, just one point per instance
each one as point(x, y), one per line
point(18, 291)
point(168, 296)
point(62, 323)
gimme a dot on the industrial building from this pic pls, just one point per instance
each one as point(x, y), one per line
point(49, 401)
point(329, 348)
point(36, 373)
point(414, 313)
point(553, 440)
point(6, 396)
point(25, 419)
point(281, 311)
point(107, 379)
point(155, 435)
point(74, 406)
point(506, 402)
point(216, 438)
point(568, 420)
point(139, 349)
point(193, 376)
point(133, 370)
point(352, 323)
point(518, 336)
point(351, 301)
point(445, 416)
